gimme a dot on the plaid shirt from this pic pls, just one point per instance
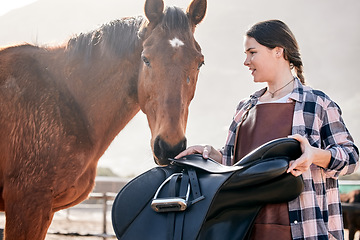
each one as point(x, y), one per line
point(316, 213)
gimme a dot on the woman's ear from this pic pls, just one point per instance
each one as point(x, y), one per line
point(279, 51)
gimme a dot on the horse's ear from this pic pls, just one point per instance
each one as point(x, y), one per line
point(196, 11)
point(154, 10)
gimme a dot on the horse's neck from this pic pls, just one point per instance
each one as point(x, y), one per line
point(106, 92)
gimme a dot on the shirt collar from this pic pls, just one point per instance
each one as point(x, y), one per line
point(298, 91)
point(296, 94)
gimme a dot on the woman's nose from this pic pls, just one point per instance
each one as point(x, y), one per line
point(246, 62)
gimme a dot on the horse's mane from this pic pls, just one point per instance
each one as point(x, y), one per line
point(122, 36)
point(118, 37)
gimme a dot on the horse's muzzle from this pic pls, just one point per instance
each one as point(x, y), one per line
point(163, 151)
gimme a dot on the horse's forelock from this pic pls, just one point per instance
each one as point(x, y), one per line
point(175, 19)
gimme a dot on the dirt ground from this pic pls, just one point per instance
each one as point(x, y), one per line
point(87, 224)
point(80, 224)
point(77, 224)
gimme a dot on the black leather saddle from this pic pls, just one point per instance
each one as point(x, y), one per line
point(195, 198)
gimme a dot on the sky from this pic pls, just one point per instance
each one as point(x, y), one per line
point(328, 57)
point(8, 5)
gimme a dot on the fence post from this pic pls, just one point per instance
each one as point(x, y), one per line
point(104, 212)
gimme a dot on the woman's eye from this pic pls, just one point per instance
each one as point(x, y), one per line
point(146, 61)
point(201, 64)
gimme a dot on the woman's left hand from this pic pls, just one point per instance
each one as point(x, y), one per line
point(309, 155)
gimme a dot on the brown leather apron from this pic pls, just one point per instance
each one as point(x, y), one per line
point(265, 122)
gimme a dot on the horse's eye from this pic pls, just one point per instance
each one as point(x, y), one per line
point(201, 64)
point(146, 61)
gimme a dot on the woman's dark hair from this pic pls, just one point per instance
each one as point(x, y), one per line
point(275, 33)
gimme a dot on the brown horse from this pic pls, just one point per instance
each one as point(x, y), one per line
point(61, 107)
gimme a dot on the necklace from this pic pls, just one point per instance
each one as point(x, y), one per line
point(273, 93)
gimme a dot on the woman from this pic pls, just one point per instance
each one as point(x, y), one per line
point(288, 107)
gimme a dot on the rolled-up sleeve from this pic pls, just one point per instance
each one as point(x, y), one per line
point(337, 139)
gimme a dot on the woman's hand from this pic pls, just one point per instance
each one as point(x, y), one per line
point(309, 155)
point(206, 151)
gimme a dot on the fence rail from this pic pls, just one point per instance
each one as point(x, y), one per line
point(107, 199)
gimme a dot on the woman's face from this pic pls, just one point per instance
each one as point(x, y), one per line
point(260, 60)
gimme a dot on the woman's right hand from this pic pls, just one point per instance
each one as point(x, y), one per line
point(206, 151)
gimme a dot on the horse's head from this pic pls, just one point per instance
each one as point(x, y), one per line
point(171, 60)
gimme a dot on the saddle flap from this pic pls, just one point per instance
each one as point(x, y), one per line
point(134, 197)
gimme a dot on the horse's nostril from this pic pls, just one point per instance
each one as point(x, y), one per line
point(163, 151)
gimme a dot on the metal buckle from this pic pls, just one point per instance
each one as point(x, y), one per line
point(171, 204)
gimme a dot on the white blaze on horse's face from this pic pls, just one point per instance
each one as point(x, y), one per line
point(175, 42)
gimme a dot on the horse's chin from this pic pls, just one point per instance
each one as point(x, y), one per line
point(162, 162)
point(163, 151)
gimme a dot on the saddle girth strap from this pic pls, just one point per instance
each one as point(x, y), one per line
point(171, 215)
point(176, 219)
point(195, 186)
point(179, 219)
